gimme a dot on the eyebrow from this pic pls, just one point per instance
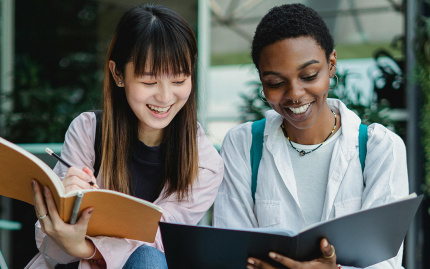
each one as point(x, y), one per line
point(148, 74)
point(266, 73)
point(144, 74)
point(152, 75)
point(301, 67)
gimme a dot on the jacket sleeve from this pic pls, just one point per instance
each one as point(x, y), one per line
point(385, 173)
point(78, 151)
point(76, 148)
point(385, 177)
point(234, 205)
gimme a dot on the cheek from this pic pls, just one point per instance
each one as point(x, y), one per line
point(273, 95)
point(183, 93)
point(320, 88)
point(135, 95)
point(324, 82)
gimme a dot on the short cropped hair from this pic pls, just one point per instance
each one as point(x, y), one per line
point(290, 21)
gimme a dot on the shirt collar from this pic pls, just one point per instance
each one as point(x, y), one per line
point(350, 126)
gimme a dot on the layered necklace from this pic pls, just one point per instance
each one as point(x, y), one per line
point(302, 152)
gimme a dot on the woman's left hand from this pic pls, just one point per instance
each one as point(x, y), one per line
point(328, 260)
point(71, 238)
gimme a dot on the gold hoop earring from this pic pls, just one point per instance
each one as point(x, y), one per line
point(261, 95)
point(337, 82)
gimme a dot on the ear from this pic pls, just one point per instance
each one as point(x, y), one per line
point(332, 61)
point(119, 81)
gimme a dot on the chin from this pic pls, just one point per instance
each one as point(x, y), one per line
point(303, 124)
point(159, 126)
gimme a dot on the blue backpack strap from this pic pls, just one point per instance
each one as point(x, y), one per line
point(257, 130)
point(362, 144)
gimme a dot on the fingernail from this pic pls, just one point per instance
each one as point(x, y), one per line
point(33, 183)
point(325, 243)
point(251, 261)
point(249, 267)
point(91, 211)
point(272, 255)
point(46, 189)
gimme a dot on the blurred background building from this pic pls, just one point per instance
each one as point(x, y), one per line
point(53, 53)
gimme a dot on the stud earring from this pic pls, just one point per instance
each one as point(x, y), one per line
point(119, 83)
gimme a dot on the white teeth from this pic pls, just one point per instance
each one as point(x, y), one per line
point(159, 109)
point(299, 110)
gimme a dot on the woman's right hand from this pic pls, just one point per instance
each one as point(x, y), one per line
point(77, 179)
point(327, 261)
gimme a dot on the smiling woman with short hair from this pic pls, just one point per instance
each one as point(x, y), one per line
point(310, 169)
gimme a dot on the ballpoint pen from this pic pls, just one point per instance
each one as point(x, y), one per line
point(76, 206)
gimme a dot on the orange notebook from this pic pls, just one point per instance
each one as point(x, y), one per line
point(115, 214)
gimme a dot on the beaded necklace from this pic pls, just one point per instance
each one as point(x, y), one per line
point(302, 152)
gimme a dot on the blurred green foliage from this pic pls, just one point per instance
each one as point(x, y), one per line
point(56, 72)
point(422, 77)
point(42, 112)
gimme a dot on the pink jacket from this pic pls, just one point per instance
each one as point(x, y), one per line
point(78, 150)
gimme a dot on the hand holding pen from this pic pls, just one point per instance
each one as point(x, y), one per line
point(75, 178)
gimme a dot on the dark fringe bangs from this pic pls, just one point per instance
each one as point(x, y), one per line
point(166, 52)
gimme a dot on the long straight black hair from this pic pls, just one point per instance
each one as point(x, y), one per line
point(158, 36)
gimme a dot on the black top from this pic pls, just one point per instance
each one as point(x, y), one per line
point(145, 165)
point(146, 171)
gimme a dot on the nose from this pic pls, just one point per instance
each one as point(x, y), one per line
point(294, 91)
point(164, 93)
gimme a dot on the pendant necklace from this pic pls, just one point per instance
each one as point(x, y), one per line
point(302, 152)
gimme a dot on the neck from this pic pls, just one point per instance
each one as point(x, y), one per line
point(151, 137)
point(315, 134)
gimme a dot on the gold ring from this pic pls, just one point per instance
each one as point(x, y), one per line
point(42, 217)
point(332, 254)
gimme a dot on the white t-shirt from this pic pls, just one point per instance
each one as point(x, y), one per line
point(311, 173)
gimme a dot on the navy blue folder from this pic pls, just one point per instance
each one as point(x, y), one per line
point(361, 239)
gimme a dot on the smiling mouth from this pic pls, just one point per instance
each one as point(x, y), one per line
point(299, 110)
point(158, 110)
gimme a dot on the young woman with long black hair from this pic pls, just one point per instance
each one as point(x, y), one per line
point(151, 145)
